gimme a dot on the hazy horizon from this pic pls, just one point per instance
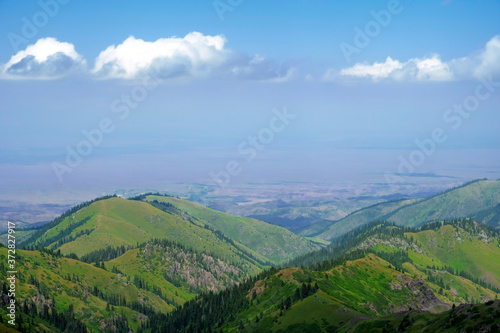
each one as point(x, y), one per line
point(139, 96)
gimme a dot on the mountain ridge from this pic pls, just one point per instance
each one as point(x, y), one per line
point(478, 198)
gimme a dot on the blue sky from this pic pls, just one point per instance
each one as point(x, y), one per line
point(207, 75)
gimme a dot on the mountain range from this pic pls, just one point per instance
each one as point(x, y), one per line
point(157, 263)
point(479, 199)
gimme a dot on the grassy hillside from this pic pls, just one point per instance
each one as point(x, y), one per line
point(119, 294)
point(477, 199)
point(360, 217)
point(382, 279)
point(464, 201)
point(463, 247)
point(116, 222)
point(47, 283)
point(168, 265)
point(273, 242)
point(158, 261)
point(355, 295)
point(458, 259)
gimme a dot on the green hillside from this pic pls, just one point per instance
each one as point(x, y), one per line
point(459, 259)
point(358, 218)
point(118, 222)
point(478, 199)
point(273, 242)
point(115, 222)
point(300, 300)
point(381, 278)
point(162, 264)
point(463, 246)
point(118, 294)
point(50, 284)
point(464, 201)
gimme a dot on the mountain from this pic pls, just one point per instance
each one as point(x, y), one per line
point(381, 278)
point(114, 221)
point(356, 219)
point(464, 201)
point(273, 242)
point(49, 287)
point(162, 264)
point(61, 294)
point(148, 255)
point(479, 199)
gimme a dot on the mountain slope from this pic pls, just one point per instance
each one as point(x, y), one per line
point(118, 222)
point(373, 281)
point(48, 283)
point(115, 295)
point(464, 246)
point(360, 217)
point(114, 221)
point(478, 199)
point(464, 201)
point(274, 242)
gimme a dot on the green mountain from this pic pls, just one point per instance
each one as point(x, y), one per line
point(147, 256)
point(162, 264)
point(381, 278)
point(357, 219)
point(57, 293)
point(273, 242)
point(478, 199)
point(114, 222)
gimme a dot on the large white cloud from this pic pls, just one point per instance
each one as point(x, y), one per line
point(479, 65)
point(193, 55)
point(46, 59)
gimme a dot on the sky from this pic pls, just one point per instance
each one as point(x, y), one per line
point(100, 95)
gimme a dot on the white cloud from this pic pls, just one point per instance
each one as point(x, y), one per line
point(484, 63)
point(432, 69)
point(46, 59)
point(489, 59)
point(193, 55)
point(376, 71)
point(427, 69)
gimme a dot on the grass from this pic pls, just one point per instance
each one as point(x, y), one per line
point(358, 290)
point(273, 242)
point(361, 217)
point(476, 199)
point(455, 248)
point(464, 201)
point(52, 272)
point(116, 222)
